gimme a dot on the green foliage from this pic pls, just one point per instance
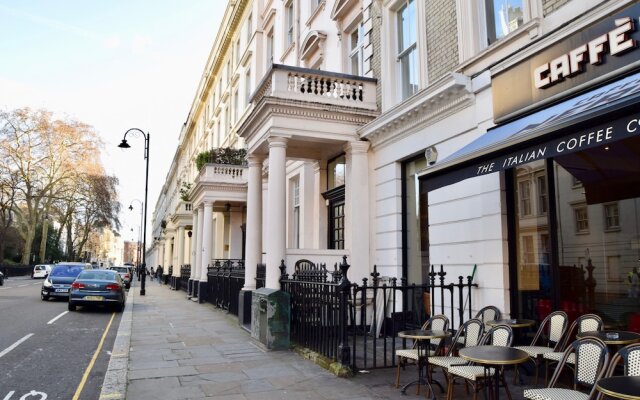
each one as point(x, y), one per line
point(224, 155)
point(184, 191)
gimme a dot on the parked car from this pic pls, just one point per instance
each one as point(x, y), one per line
point(58, 283)
point(98, 287)
point(1, 278)
point(125, 274)
point(40, 271)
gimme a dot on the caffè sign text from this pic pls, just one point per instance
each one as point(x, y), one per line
point(615, 42)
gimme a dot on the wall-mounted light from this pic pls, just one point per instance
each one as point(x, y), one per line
point(189, 233)
point(431, 155)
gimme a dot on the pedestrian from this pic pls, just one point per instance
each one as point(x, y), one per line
point(159, 273)
point(152, 274)
point(633, 278)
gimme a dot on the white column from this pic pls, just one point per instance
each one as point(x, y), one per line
point(180, 253)
point(253, 251)
point(356, 201)
point(320, 206)
point(167, 254)
point(276, 218)
point(235, 233)
point(207, 226)
point(199, 244)
point(193, 243)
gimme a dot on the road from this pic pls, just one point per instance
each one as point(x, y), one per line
point(45, 351)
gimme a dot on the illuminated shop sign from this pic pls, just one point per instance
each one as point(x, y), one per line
point(575, 64)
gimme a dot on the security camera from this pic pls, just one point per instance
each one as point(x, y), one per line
point(431, 155)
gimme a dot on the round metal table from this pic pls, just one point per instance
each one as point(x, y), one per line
point(620, 387)
point(623, 337)
point(513, 323)
point(496, 357)
point(423, 339)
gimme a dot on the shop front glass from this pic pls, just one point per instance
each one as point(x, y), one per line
point(578, 239)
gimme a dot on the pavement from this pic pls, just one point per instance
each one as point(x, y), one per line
point(168, 347)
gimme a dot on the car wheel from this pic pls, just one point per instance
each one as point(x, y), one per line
point(71, 306)
point(43, 297)
point(120, 307)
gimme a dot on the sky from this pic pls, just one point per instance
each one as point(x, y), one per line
point(115, 65)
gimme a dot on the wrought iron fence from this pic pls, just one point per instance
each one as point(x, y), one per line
point(185, 273)
point(225, 279)
point(357, 325)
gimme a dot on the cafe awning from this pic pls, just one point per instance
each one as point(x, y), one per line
point(568, 127)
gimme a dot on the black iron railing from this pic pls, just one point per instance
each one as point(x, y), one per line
point(185, 273)
point(225, 279)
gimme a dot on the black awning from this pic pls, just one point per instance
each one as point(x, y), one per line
point(562, 129)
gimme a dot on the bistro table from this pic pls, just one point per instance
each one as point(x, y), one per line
point(620, 387)
point(423, 340)
point(494, 357)
point(611, 338)
point(513, 323)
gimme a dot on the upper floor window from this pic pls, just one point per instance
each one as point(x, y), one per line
point(611, 216)
point(581, 218)
point(407, 48)
point(236, 107)
point(249, 27)
point(524, 194)
point(237, 60)
point(269, 48)
point(503, 17)
point(228, 71)
point(542, 194)
point(289, 23)
point(247, 86)
point(356, 39)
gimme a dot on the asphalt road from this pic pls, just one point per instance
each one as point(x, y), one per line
point(46, 351)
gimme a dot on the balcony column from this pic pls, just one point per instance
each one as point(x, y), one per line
point(207, 226)
point(277, 203)
point(199, 244)
point(253, 250)
point(357, 207)
point(176, 273)
point(166, 260)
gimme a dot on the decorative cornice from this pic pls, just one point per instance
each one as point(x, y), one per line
point(446, 96)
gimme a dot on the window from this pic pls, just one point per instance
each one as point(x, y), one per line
point(528, 252)
point(218, 137)
point(356, 51)
point(582, 219)
point(407, 48)
point(227, 121)
point(236, 106)
point(524, 194)
point(247, 86)
point(296, 213)
point(503, 17)
point(542, 194)
point(228, 71)
point(220, 89)
point(336, 229)
point(237, 51)
point(249, 28)
point(314, 4)
point(270, 48)
point(613, 269)
point(289, 22)
point(611, 216)
point(335, 173)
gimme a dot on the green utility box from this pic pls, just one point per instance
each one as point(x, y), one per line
point(270, 318)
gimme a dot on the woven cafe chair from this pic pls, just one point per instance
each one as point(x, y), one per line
point(486, 314)
point(475, 375)
point(592, 358)
point(472, 331)
point(630, 358)
point(435, 323)
point(584, 323)
point(547, 338)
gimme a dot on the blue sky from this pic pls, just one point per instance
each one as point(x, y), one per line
point(113, 64)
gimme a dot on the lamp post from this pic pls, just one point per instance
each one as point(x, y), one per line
point(125, 145)
point(138, 255)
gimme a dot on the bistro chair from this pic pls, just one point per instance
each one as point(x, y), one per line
point(435, 323)
point(547, 338)
point(584, 323)
point(472, 331)
point(475, 375)
point(592, 357)
point(630, 357)
point(486, 314)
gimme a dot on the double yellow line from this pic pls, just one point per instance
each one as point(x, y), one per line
point(85, 376)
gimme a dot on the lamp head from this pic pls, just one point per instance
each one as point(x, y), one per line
point(189, 233)
point(124, 144)
point(130, 207)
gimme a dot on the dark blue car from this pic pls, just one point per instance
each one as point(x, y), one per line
point(59, 281)
point(98, 287)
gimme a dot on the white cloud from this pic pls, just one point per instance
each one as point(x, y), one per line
point(112, 42)
point(140, 44)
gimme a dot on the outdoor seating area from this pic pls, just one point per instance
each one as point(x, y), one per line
point(587, 361)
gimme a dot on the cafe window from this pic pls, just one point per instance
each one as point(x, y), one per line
point(581, 216)
point(611, 216)
point(503, 17)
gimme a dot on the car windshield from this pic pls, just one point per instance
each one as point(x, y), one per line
point(66, 270)
point(39, 267)
point(98, 275)
point(121, 269)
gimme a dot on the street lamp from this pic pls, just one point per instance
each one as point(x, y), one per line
point(139, 249)
point(125, 145)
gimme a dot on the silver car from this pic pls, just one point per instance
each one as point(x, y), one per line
point(125, 274)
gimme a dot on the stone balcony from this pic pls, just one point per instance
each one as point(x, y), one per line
point(315, 86)
point(220, 184)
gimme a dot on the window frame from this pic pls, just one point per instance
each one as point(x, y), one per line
point(289, 25)
point(357, 51)
point(578, 208)
point(607, 226)
point(409, 53)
